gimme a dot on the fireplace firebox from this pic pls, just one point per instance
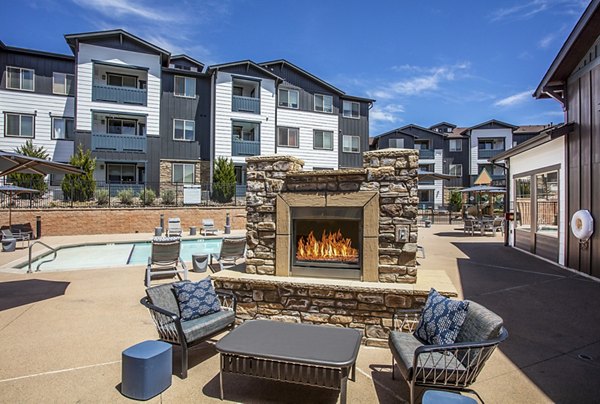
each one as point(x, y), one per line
point(326, 242)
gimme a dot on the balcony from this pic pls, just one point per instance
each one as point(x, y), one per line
point(120, 95)
point(484, 154)
point(426, 154)
point(120, 143)
point(245, 148)
point(245, 104)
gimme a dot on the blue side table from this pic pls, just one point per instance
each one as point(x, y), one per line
point(445, 397)
point(146, 369)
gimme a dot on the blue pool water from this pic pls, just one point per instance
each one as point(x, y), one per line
point(118, 255)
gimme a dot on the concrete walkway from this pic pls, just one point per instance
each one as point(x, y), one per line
point(62, 333)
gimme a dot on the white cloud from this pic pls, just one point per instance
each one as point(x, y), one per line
point(514, 99)
point(129, 8)
point(529, 9)
point(546, 41)
point(386, 113)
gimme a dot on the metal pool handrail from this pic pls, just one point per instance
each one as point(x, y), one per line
point(37, 269)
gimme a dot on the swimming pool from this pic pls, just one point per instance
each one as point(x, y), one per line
point(116, 255)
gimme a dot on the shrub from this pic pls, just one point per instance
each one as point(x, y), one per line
point(456, 201)
point(80, 187)
point(147, 196)
point(33, 181)
point(224, 180)
point(125, 196)
point(102, 197)
point(168, 197)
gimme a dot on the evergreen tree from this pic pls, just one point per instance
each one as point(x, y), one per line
point(224, 180)
point(80, 187)
point(34, 181)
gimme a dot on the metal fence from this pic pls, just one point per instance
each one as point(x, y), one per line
point(126, 195)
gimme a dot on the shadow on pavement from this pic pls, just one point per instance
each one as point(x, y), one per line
point(20, 293)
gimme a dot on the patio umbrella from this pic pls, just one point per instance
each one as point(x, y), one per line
point(431, 176)
point(12, 190)
point(18, 163)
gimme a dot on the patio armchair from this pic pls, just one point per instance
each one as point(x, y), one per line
point(164, 261)
point(18, 236)
point(174, 227)
point(164, 309)
point(232, 249)
point(470, 226)
point(497, 224)
point(452, 366)
point(208, 226)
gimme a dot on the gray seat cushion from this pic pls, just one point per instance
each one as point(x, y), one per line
point(404, 345)
point(204, 326)
point(480, 325)
point(163, 297)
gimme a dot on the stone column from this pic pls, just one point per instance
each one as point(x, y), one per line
point(265, 179)
point(393, 172)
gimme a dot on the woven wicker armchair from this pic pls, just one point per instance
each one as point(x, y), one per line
point(454, 366)
point(163, 306)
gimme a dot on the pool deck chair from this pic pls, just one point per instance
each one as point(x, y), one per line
point(17, 235)
point(174, 229)
point(165, 261)
point(232, 249)
point(208, 227)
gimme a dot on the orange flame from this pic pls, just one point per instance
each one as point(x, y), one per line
point(331, 247)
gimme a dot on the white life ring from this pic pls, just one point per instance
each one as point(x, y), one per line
point(582, 224)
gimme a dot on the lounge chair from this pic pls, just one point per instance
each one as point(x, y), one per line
point(163, 306)
point(165, 260)
point(174, 229)
point(452, 366)
point(497, 224)
point(17, 235)
point(232, 249)
point(208, 226)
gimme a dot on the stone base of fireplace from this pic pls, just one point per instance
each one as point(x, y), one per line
point(366, 306)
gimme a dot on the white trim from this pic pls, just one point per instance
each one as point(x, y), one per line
point(344, 146)
point(323, 132)
point(184, 87)
point(20, 115)
point(185, 121)
point(351, 109)
point(65, 83)
point(64, 118)
point(324, 96)
point(20, 79)
point(183, 173)
point(288, 90)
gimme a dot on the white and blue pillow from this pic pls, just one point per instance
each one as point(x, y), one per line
point(196, 299)
point(441, 320)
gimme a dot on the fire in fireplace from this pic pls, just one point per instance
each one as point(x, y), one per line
point(326, 242)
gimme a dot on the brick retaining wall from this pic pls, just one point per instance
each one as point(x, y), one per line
point(66, 222)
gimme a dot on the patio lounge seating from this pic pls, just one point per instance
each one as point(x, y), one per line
point(497, 224)
point(232, 249)
point(164, 260)
point(163, 306)
point(470, 226)
point(174, 229)
point(452, 366)
point(208, 226)
point(17, 235)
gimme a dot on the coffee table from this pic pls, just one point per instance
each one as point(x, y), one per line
point(315, 355)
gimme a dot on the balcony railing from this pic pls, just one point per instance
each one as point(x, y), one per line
point(246, 104)
point(426, 154)
point(120, 143)
point(120, 95)
point(244, 148)
point(484, 154)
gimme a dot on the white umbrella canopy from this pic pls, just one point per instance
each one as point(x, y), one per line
point(11, 191)
point(11, 163)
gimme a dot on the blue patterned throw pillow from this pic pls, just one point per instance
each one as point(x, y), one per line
point(441, 319)
point(196, 299)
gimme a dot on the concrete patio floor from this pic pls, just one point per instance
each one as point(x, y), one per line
point(62, 333)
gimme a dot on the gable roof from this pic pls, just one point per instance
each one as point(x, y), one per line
point(531, 128)
point(494, 121)
point(394, 131)
point(199, 64)
point(484, 178)
point(303, 72)
point(241, 63)
point(412, 125)
point(72, 38)
point(442, 124)
point(582, 37)
point(457, 133)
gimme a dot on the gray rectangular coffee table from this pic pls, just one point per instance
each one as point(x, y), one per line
point(315, 355)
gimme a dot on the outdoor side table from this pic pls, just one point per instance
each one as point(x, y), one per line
point(158, 231)
point(9, 244)
point(445, 397)
point(315, 355)
point(146, 369)
point(199, 262)
point(192, 230)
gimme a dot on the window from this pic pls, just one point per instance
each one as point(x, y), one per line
point(18, 78)
point(18, 125)
point(62, 83)
point(351, 109)
point(183, 173)
point(240, 175)
point(185, 87)
point(288, 98)
point(238, 91)
point(324, 103)
point(351, 144)
point(323, 139)
point(288, 137)
point(456, 170)
point(184, 130)
point(546, 196)
point(120, 80)
point(455, 145)
point(62, 128)
point(118, 126)
point(523, 203)
point(120, 173)
point(245, 131)
point(396, 143)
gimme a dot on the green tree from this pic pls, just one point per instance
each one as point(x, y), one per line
point(80, 187)
point(34, 181)
point(223, 180)
point(456, 200)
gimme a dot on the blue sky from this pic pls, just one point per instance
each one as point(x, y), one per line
point(424, 62)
